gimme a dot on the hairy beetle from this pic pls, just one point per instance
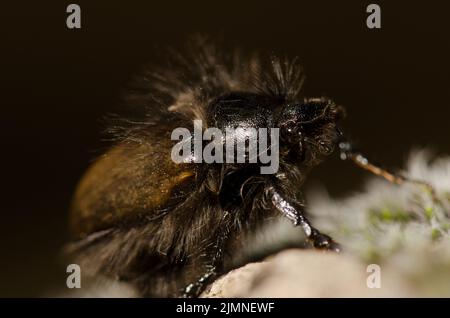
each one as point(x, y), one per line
point(169, 227)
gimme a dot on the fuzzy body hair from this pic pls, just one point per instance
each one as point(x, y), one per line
point(132, 219)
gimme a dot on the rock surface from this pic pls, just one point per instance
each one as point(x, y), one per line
point(306, 273)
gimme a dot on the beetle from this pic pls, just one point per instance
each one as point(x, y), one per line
point(169, 228)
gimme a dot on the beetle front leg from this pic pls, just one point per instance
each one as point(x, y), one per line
point(296, 214)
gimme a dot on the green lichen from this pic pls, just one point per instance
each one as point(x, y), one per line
point(429, 212)
point(435, 234)
point(372, 255)
point(388, 215)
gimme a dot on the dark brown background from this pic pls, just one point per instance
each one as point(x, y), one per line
point(57, 83)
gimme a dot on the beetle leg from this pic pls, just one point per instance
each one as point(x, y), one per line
point(196, 288)
point(348, 153)
point(297, 215)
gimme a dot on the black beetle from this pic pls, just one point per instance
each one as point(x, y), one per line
point(168, 227)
